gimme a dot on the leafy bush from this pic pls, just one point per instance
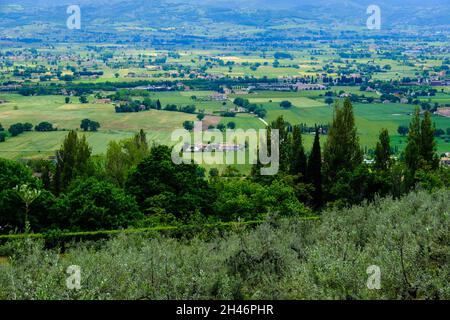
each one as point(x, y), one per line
point(244, 199)
point(45, 126)
point(159, 186)
point(18, 128)
point(95, 205)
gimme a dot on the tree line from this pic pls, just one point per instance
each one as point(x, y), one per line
point(137, 184)
point(45, 126)
point(337, 174)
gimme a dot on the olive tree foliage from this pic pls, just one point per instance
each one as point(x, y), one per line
point(284, 258)
point(409, 240)
point(245, 199)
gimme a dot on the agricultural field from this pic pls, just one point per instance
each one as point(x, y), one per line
point(159, 124)
point(370, 118)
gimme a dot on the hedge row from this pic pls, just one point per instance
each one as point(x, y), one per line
point(56, 237)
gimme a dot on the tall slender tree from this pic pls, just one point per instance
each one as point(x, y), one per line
point(412, 150)
point(314, 171)
point(427, 142)
point(120, 157)
point(117, 163)
point(285, 142)
point(342, 150)
point(299, 161)
point(137, 147)
point(383, 151)
point(420, 152)
point(140, 140)
point(72, 160)
point(256, 172)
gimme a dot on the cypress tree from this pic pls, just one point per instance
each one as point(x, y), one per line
point(285, 142)
point(137, 147)
point(383, 151)
point(256, 170)
point(314, 171)
point(421, 149)
point(299, 162)
point(342, 150)
point(427, 142)
point(412, 150)
point(83, 154)
point(141, 141)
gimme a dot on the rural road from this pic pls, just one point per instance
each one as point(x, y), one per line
point(264, 121)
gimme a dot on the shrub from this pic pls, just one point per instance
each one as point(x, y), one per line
point(44, 126)
point(96, 205)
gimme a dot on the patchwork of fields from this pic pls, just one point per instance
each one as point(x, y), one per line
point(308, 107)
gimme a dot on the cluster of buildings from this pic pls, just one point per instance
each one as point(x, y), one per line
point(161, 87)
point(139, 75)
point(203, 147)
point(278, 86)
point(10, 87)
point(103, 101)
point(445, 160)
point(275, 86)
point(444, 112)
point(440, 83)
point(214, 97)
point(432, 81)
point(309, 86)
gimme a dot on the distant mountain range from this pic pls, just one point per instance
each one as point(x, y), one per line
point(259, 13)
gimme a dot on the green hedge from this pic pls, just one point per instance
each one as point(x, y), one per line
point(55, 237)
